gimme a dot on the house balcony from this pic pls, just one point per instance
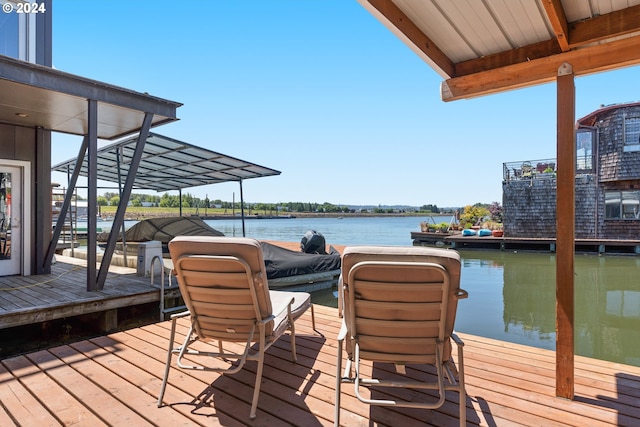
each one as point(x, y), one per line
point(543, 168)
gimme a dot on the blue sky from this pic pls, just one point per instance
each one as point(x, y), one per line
point(319, 90)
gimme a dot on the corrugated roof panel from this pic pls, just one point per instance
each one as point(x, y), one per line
point(438, 29)
point(169, 164)
point(467, 29)
point(578, 10)
point(482, 31)
point(523, 21)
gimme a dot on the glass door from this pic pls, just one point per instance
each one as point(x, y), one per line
point(10, 220)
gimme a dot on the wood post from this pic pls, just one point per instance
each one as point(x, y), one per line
point(565, 232)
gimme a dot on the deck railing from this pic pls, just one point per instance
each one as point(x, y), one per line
point(542, 168)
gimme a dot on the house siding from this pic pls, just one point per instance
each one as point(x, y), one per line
point(529, 205)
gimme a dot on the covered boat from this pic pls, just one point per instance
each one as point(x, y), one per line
point(284, 267)
point(287, 268)
point(166, 228)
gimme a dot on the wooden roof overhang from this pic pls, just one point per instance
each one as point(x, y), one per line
point(480, 48)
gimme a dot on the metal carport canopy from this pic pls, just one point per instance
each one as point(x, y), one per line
point(168, 164)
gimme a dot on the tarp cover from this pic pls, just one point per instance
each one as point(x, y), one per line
point(165, 229)
point(281, 262)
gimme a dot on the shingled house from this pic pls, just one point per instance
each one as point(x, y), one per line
point(607, 181)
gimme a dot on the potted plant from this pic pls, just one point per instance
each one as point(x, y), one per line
point(442, 227)
point(496, 230)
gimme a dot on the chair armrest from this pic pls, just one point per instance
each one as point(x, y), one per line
point(343, 332)
point(340, 296)
point(280, 308)
point(182, 314)
point(462, 294)
point(457, 340)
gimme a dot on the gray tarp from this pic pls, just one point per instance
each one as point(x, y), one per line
point(165, 229)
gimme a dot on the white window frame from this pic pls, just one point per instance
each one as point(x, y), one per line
point(631, 136)
point(626, 208)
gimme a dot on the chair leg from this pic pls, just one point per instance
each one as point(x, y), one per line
point(336, 416)
point(256, 388)
point(463, 392)
point(168, 363)
point(292, 332)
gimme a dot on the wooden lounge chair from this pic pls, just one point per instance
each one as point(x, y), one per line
point(224, 286)
point(399, 308)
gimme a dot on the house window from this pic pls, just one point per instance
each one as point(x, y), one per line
point(9, 33)
point(632, 134)
point(584, 149)
point(622, 204)
point(17, 31)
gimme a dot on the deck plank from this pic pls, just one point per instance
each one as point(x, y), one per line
point(50, 396)
point(18, 402)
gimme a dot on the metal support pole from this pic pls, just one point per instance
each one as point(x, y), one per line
point(71, 185)
point(124, 199)
point(92, 183)
point(124, 240)
point(242, 209)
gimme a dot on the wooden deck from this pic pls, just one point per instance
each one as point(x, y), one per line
point(115, 379)
point(63, 293)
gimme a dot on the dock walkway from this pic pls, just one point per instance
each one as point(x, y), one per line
point(26, 300)
point(545, 244)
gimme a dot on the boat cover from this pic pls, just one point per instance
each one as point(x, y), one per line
point(281, 262)
point(166, 228)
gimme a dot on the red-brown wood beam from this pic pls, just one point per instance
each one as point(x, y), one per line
point(565, 233)
point(509, 57)
point(405, 27)
point(558, 20)
point(620, 22)
point(588, 60)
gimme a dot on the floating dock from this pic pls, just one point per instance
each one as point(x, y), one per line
point(545, 244)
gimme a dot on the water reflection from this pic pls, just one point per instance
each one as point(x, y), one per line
point(512, 298)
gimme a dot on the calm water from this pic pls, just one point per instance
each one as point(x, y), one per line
point(511, 295)
point(347, 231)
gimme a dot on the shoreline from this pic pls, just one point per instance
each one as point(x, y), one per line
point(147, 213)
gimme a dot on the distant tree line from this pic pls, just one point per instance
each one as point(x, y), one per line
point(190, 201)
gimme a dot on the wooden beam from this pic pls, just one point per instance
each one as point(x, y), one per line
point(588, 60)
point(509, 57)
point(579, 33)
point(558, 20)
point(406, 28)
point(565, 232)
point(618, 23)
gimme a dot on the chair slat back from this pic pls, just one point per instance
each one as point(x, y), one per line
point(400, 302)
point(223, 283)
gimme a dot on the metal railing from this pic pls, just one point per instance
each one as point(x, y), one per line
point(542, 168)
